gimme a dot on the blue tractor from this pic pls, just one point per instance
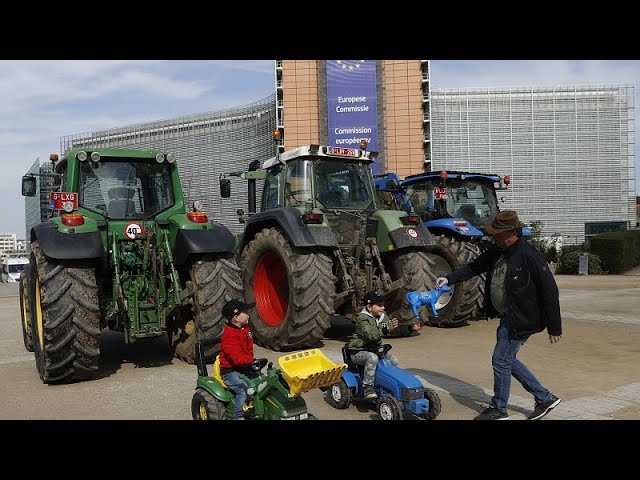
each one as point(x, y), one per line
point(398, 391)
point(454, 206)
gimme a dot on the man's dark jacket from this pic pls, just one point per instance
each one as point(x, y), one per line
point(532, 292)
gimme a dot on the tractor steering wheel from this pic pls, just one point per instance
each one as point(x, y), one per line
point(383, 349)
point(291, 196)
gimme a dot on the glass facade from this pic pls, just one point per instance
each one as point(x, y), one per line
point(570, 150)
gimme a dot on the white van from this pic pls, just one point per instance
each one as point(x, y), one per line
point(11, 268)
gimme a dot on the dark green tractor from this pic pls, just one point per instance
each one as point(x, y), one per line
point(123, 253)
point(320, 242)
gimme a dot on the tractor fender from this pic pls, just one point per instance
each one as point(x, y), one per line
point(350, 379)
point(411, 236)
point(447, 224)
point(215, 388)
point(218, 239)
point(289, 220)
point(67, 246)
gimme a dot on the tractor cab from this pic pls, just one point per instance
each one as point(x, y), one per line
point(325, 178)
point(470, 197)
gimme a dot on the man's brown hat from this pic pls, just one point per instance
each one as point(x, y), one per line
point(503, 222)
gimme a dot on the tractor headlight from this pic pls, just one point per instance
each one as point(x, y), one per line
point(82, 156)
point(160, 158)
point(171, 157)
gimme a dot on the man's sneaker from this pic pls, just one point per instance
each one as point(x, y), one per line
point(369, 393)
point(544, 407)
point(492, 413)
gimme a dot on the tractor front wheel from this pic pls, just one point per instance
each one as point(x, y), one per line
point(389, 408)
point(435, 405)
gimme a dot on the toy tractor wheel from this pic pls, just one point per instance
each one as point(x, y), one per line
point(24, 312)
point(216, 280)
point(389, 408)
point(339, 395)
point(417, 271)
point(465, 301)
point(435, 405)
point(65, 317)
point(205, 406)
point(294, 290)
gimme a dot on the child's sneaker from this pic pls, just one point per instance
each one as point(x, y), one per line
point(369, 393)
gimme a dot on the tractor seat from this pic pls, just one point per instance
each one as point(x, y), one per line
point(347, 358)
point(216, 371)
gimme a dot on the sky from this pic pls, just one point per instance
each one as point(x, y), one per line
point(43, 100)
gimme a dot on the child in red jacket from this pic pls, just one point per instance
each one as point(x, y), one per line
point(236, 350)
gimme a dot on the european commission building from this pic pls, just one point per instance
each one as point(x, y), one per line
point(570, 150)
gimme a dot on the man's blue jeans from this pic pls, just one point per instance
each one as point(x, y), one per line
point(505, 364)
point(237, 385)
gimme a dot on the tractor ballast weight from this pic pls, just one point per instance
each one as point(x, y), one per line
point(455, 207)
point(123, 252)
point(320, 242)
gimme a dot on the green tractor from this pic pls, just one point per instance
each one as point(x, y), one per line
point(126, 254)
point(320, 242)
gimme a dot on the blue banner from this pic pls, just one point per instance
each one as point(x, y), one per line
point(352, 103)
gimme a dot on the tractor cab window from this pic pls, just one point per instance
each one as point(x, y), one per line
point(471, 200)
point(122, 189)
point(298, 183)
point(271, 189)
point(421, 197)
point(341, 184)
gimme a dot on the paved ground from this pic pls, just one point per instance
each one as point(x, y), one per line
point(595, 369)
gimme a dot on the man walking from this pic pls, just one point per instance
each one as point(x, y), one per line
point(521, 291)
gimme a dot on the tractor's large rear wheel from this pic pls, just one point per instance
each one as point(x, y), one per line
point(465, 301)
point(24, 311)
point(216, 280)
point(65, 317)
point(294, 291)
point(416, 269)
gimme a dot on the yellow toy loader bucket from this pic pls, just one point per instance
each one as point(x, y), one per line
point(309, 369)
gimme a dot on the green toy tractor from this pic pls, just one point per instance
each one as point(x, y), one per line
point(274, 395)
point(123, 253)
point(320, 242)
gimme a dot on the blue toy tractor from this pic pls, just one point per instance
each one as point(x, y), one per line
point(398, 390)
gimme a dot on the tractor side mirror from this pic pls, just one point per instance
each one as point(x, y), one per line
point(225, 187)
point(28, 186)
